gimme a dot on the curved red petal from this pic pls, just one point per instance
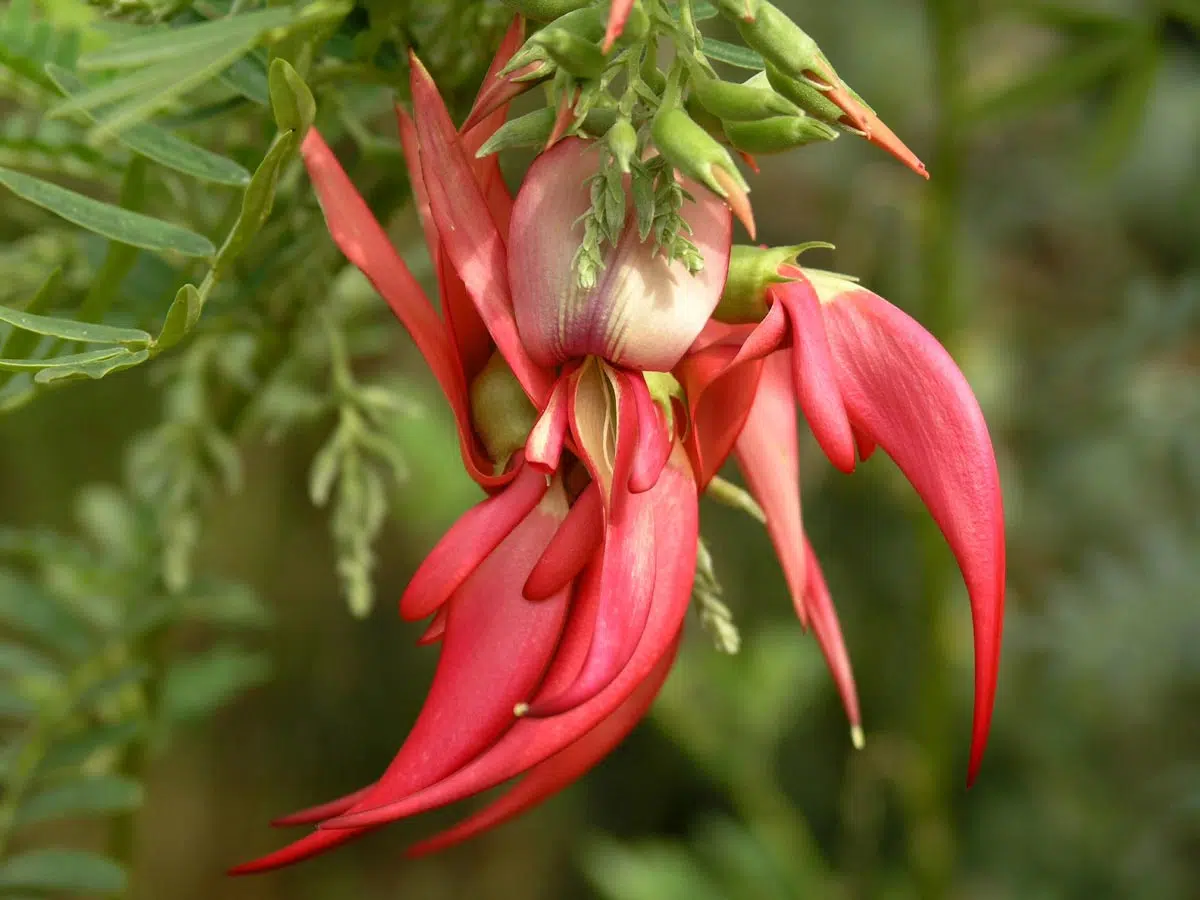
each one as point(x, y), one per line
point(560, 770)
point(436, 628)
point(873, 128)
point(769, 456)
point(573, 546)
point(314, 814)
point(470, 540)
point(904, 391)
point(468, 231)
point(530, 741)
point(816, 382)
point(543, 448)
point(719, 395)
point(298, 851)
point(829, 635)
point(655, 439)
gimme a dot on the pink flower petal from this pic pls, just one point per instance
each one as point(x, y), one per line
point(470, 541)
point(655, 439)
point(768, 454)
point(495, 651)
point(643, 313)
point(560, 770)
point(572, 548)
point(468, 232)
point(436, 628)
point(530, 741)
point(315, 814)
point(720, 395)
point(816, 382)
point(903, 390)
point(543, 449)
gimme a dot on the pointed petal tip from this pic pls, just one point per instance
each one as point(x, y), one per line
point(857, 738)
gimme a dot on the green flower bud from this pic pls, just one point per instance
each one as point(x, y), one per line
point(738, 102)
point(573, 54)
point(545, 10)
point(622, 143)
point(782, 43)
point(810, 99)
point(752, 270)
point(500, 411)
point(744, 10)
point(696, 153)
point(530, 130)
point(705, 119)
point(777, 134)
point(599, 120)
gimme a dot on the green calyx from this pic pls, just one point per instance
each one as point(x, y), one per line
point(752, 271)
point(501, 413)
point(778, 133)
point(693, 151)
point(622, 143)
point(739, 102)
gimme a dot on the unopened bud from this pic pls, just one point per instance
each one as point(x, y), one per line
point(545, 10)
point(752, 271)
point(813, 101)
point(622, 143)
point(573, 54)
point(739, 102)
point(500, 410)
point(530, 130)
point(696, 153)
point(778, 133)
point(783, 43)
point(705, 119)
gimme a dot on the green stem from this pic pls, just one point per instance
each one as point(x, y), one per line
point(928, 796)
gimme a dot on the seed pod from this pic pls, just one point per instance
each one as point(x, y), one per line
point(622, 143)
point(778, 133)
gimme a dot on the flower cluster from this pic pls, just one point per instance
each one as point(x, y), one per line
point(593, 417)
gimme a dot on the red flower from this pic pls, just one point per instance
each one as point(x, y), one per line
point(558, 601)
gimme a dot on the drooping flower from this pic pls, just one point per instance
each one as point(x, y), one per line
point(558, 601)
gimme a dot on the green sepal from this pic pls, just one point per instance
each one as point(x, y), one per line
point(778, 133)
point(752, 271)
point(500, 410)
point(738, 102)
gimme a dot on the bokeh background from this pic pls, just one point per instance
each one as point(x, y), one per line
point(1056, 251)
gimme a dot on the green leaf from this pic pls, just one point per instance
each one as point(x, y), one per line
point(160, 145)
point(259, 198)
point(196, 687)
point(104, 689)
point(15, 705)
point(732, 54)
point(82, 797)
point(19, 661)
point(74, 331)
point(71, 360)
point(181, 317)
point(77, 750)
point(106, 219)
point(291, 101)
point(65, 871)
point(28, 610)
point(159, 44)
point(248, 76)
point(19, 344)
point(227, 604)
point(95, 369)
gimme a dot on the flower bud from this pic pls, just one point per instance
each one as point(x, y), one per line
point(778, 133)
point(738, 102)
point(530, 130)
point(745, 10)
point(622, 143)
point(813, 101)
point(500, 411)
point(643, 312)
point(573, 54)
point(782, 42)
point(752, 270)
point(696, 153)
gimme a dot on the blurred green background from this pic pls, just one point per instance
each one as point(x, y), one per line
point(1057, 253)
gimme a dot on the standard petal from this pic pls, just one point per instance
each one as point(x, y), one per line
point(468, 232)
point(643, 313)
point(471, 540)
point(768, 455)
point(560, 770)
point(904, 392)
point(530, 741)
